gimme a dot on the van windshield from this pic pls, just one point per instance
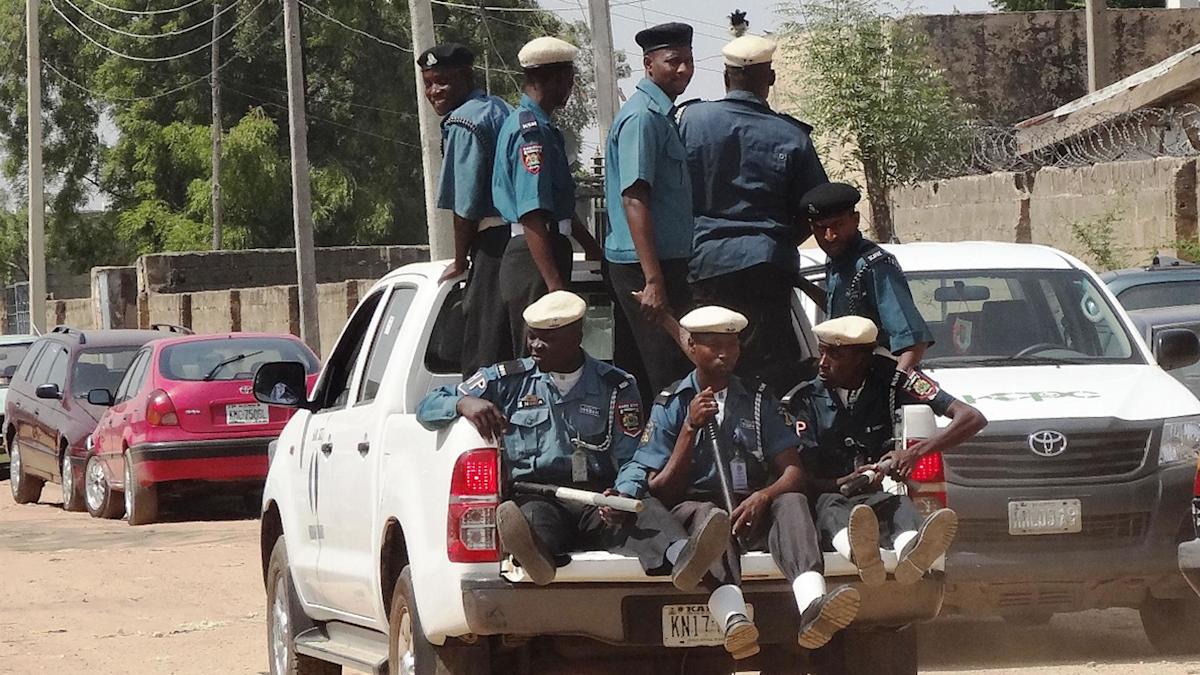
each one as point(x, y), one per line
point(1018, 317)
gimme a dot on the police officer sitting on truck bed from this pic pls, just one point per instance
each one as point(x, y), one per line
point(861, 278)
point(676, 465)
point(567, 419)
point(845, 420)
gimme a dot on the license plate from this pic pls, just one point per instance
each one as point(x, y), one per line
point(247, 413)
point(692, 626)
point(1055, 516)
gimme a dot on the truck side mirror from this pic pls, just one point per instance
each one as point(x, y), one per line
point(1176, 348)
point(281, 383)
point(100, 397)
point(48, 391)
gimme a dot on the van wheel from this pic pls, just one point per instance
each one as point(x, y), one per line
point(409, 653)
point(71, 488)
point(141, 501)
point(26, 489)
point(1172, 626)
point(286, 620)
point(99, 497)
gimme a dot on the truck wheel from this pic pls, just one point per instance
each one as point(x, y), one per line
point(286, 620)
point(99, 497)
point(71, 488)
point(1173, 626)
point(409, 653)
point(26, 489)
point(141, 501)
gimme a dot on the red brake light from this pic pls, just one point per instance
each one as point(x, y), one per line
point(1196, 483)
point(929, 469)
point(471, 519)
point(160, 410)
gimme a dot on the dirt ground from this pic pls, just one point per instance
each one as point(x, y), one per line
point(79, 595)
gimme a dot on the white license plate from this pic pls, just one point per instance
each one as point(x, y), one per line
point(1054, 516)
point(247, 413)
point(692, 626)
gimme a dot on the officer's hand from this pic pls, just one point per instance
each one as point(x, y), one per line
point(612, 516)
point(484, 416)
point(454, 269)
point(653, 298)
point(750, 513)
point(702, 408)
point(904, 461)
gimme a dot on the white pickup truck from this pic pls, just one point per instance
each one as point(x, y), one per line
point(379, 547)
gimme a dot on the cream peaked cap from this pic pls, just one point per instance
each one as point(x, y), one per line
point(544, 51)
point(713, 319)
point(555, 310)
point(847, 330)
point(748, 50)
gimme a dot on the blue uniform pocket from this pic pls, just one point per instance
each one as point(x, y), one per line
point(528, 426)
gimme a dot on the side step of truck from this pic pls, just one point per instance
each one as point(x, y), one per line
point(346, 645)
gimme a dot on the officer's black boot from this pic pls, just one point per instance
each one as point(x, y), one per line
point(826, 615)
point(703, 548)
point(933, 539)
point(519, 540)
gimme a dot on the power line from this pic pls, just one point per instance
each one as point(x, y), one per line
point(154, 59)
point(352, 29)
point(326, 121)
point(151, 12)
point(314, 97)
point(492, 43)
point(644, 8)
point(145, 36)
point(448, 3)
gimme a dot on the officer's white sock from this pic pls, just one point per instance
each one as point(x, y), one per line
point(808, 587)
point(675, 550)
point(902, 541)
point(726, 601)
point(841, 543)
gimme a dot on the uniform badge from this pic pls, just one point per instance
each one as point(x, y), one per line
point(531, 157)
point(630, 416)
point(476, 384)
point(646, 433)
point(921, 387)
point(590, 410)
point(530, 401)
point(801, 427)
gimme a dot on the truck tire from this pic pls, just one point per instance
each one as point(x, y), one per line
point(880, 651)
point(141, 501)
point(1172, 625)
point(99, 497)
point(286, 620)
point(26, 489)
point(72, 489)
point(409, 653)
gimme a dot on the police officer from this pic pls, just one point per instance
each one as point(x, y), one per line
point(565, 418)
point(748, 164)
point(845, 421)
point(861, 278)
point(533, 186)
point(675, 464)
point(471, 121)
point(649, 196)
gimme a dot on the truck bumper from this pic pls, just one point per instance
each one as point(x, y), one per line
point(631, 614)
point(240, 459)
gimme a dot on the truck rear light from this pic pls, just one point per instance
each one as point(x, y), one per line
point(929, 469)
point(471, 519)
point(160, 410)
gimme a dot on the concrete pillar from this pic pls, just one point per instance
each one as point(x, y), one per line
point(1182, 4)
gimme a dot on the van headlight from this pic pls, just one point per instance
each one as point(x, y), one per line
point(1180, 440)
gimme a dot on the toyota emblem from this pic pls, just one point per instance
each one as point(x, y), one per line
point(1047, 443)
point(246, 389)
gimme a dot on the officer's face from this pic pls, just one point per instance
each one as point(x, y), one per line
point(446, 88)
point(844, 366)
point(835, 233)
point(560, 87)
point(671, 69)
point(556, 350)
point(715, 353)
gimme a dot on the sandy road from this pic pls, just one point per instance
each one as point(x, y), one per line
point(79, 595)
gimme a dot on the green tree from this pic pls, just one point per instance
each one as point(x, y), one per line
point(1036, 5)
point(868, 85)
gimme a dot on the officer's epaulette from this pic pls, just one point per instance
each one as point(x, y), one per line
point(680, 107)
point(514, 367)
point(666, 394)
point(529, 123)
point(614, 377)
point(874, 255)
point(803, 389)
point(803, 125)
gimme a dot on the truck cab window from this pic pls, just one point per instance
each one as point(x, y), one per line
point(385, 339)
point(334, 389)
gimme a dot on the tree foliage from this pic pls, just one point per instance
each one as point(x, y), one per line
point(1036, 5)
point(868, 85)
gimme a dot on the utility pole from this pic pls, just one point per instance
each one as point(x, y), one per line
point(1098, 49)
point(37, 205)
point(602, 58)
point(218, 213)
point(301, 189)
point(441, 232)
point(487, 62)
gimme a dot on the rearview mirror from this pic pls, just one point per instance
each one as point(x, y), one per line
point(100, 397)
point(48, 391)
point(1176, 348)
point(961, 292)
point(281, 383)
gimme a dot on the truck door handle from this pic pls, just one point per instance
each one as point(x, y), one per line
point(364, 448)
point(326, 448)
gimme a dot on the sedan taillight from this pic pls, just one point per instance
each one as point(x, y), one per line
point(160, 410)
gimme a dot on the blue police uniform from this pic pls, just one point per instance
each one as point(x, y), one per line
point(531, 173)
point(469, 135)
point(748, 165)
point(755, 432)
point(867, 281)
point(644, 145)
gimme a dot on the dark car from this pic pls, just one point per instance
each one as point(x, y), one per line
point(12, 349)
point(47, 417)
point(1153, 325)
point(1165, 282)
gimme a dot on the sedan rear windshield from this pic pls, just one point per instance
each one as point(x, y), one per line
point(1019, 317)
point(101, 368)
point(236, 359)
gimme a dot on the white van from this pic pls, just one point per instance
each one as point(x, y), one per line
point(1077, 493)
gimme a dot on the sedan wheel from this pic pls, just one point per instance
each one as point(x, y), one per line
point(72, 495)
point(141, 502)
point(26, 489)
point(99, 497)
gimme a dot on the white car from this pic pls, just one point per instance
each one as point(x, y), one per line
point(379, 545)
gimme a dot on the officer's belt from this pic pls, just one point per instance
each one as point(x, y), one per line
point(564, 228)
point(491, 221)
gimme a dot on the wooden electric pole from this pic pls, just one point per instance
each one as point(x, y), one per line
point(37, 203)
point(441, 231)
point(602, 58)
point(301, 188)
point(218, 214)
point(1099, 50)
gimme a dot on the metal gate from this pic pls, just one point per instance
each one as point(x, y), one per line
point(16, 301)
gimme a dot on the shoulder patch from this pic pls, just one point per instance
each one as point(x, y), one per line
point(629, 416)
point(666, 394)
point(531, 157)
point(529, 124)
point(920, 386)
point(514, 367)
point(475, 384)
point(875, 255)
